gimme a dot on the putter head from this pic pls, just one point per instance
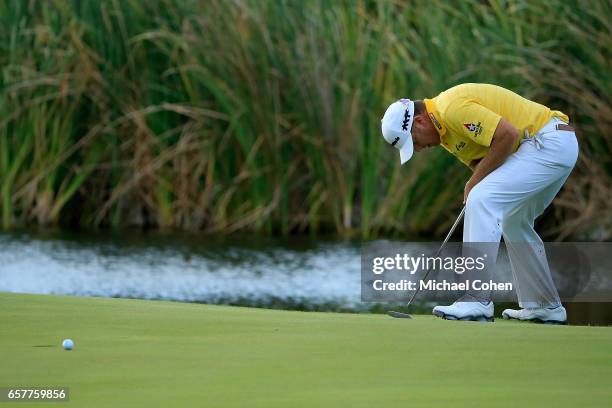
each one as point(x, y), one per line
point(399, 315)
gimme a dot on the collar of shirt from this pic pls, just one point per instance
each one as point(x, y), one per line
point(434, 115)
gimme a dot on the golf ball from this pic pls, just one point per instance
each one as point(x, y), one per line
point(68, 344)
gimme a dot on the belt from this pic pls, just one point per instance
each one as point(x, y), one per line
point(563, 126)
point(537, 138)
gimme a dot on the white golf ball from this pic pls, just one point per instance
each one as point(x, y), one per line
point(68, 344)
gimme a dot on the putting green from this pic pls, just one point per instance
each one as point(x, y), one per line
point(161, 354)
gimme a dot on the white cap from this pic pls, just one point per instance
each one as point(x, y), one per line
point(396, 127)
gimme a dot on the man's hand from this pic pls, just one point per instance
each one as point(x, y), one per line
point(504, 140)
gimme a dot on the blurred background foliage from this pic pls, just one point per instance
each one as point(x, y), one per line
point(230, 116)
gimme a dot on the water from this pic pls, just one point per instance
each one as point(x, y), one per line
point(296, 274)
point(250, 271)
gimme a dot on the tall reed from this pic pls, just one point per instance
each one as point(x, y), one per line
point(229, 116)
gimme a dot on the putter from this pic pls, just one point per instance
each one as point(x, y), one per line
point(401, 315)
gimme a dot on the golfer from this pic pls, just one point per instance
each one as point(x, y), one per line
point(521, 153)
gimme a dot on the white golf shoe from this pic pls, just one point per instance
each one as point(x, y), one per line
point(556, 315)
point(461, 310)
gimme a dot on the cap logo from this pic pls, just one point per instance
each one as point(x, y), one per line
point(406, 121)
point(395, 141)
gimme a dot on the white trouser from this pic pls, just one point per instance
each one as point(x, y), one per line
point(511, 197)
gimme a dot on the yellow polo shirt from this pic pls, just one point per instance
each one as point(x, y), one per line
point(467, 115)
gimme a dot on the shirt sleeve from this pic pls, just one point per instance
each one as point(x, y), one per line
point(472, 121)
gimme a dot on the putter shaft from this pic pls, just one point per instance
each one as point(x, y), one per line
point(450, 233)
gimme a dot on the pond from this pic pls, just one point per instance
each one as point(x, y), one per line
point(294, 273)
point(252, 271)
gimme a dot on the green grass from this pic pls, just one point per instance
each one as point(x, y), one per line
point(153, 353)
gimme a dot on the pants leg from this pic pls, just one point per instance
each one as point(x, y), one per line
point(532, 278)
point(511, 197)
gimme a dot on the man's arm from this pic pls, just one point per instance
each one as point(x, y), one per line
point(504, 140)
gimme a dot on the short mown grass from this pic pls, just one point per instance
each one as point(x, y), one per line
point(157, 354)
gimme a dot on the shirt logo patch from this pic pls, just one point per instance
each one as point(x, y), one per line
point(460, 146)
point(476, 128)
point(435, 121)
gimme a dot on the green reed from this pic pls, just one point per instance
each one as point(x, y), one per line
point(228, 116)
